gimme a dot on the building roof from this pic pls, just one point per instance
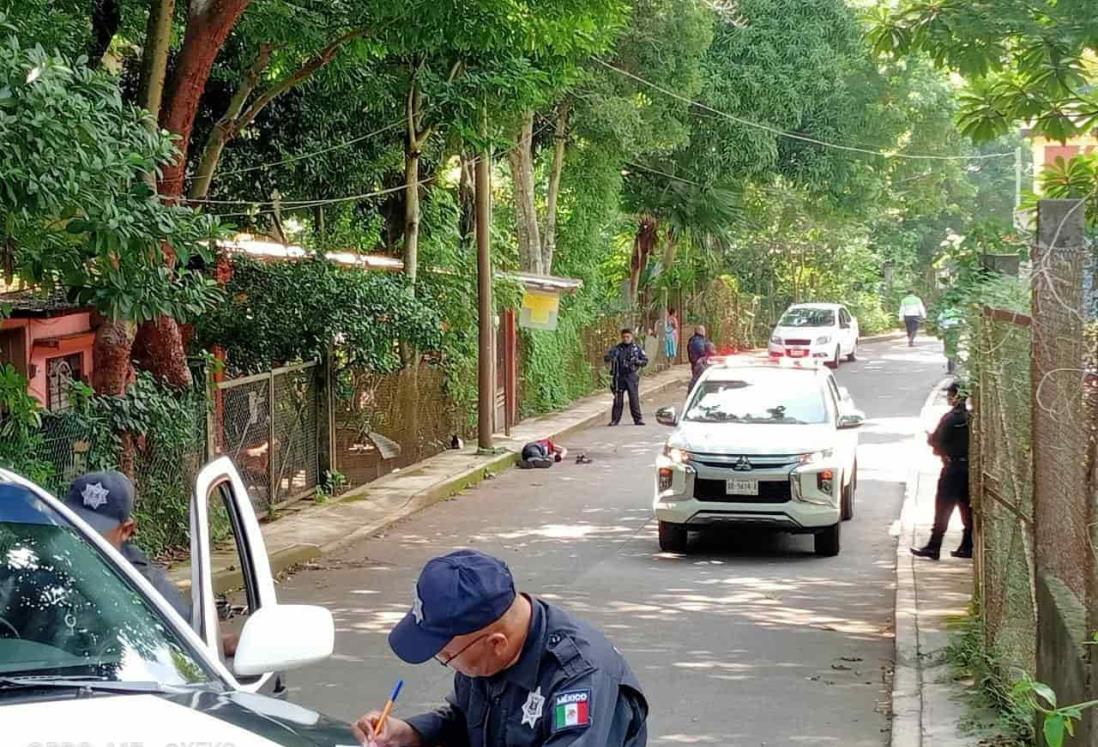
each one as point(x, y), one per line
point(33, 303)
point(272, 250)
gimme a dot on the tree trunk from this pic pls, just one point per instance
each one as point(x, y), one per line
point(466, 198)
point(228, 126)
point(415, 138)
point(159, 348)
point(643, 245)
point(549, 236)
point(154, 57)
point(526, 216)
point(669, 250)
point(209, 23)
point(111, 353)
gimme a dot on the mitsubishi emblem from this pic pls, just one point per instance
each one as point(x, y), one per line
point(743, 465)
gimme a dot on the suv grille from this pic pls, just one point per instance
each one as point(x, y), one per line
point(770, 491)
point(797, 342)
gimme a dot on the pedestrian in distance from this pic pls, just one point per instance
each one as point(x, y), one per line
point(912, 312)
point(703, 363)
point(950, 442)
point(626, 359)
point(105, 500)
point(526, 672)
point(671, 335)
point(541, 454)
point(696, 345)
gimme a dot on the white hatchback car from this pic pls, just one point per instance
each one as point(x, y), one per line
point(822, 332)
point(765, 446)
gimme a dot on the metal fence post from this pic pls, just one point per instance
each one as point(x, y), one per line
point(272, 456)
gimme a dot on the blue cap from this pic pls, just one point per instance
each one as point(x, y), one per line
point(102, 499)
point(456, 594)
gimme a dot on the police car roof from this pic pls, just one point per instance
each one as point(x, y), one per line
point(740, 369)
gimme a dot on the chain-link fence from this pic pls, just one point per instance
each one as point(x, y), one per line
point(270, 425)
point(1036, 481)
point(165, 463)
point(1003, 500)
point(387, 422)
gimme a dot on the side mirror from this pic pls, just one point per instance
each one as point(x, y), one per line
point(278, 637)
point(667, 416)
point(851, 420)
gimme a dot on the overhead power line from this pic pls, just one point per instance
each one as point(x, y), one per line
point(303, 156)
point(794, 135)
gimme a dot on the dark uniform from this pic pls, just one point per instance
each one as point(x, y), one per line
point(626, 359)
point(569, 687)
point(950, 441)
point(158, 577)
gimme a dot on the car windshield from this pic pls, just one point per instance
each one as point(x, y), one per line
point(806, 317)
point(770, 401)
point(65, 611)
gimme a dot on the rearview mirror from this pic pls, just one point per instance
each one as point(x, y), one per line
point(278, 637)
point(851, 420)
point(667, 416)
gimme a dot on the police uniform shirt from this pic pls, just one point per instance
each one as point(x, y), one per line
point(158, 578)
point(570, 687)
point(950, 438)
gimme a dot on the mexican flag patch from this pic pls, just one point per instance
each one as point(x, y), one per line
point(572, 709)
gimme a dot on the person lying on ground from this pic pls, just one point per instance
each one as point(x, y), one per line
point(541, 454)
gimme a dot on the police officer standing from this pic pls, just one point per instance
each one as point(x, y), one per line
point(527, 674)
point(626, 359)
point(950, 442)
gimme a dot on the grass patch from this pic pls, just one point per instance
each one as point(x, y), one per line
point(990, 691)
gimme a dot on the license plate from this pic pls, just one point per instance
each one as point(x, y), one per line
point(794, 353)
point(741, 487)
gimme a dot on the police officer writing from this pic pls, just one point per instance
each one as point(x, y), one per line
point(527, 674)
point(950, 442)
point(626, 359)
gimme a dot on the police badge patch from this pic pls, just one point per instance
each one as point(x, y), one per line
point(531, 710)
point(572, 710)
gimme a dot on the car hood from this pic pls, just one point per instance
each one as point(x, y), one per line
point(752, 438)
point(205, 717)
point(803, 333)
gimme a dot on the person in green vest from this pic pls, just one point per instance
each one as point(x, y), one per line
point(949, 326)
point(912, 312)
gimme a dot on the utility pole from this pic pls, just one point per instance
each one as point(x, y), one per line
point(486, 391)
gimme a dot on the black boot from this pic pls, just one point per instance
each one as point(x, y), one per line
point(962, 552)
point(930, 553)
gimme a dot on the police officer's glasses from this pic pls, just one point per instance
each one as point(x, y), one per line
point(446, 662)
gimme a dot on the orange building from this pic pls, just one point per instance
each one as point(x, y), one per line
point(48, 340)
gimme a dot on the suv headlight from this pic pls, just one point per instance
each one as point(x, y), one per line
point(817, 456)
point(823, 339)
point(776, 340)
point(675, 454)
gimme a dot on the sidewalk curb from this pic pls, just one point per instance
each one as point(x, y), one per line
point(229, 576)
point(895, 334)
point(907, 682)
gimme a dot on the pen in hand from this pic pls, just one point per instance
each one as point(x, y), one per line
point(379, 727)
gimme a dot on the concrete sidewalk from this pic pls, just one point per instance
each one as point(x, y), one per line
point(929, 705)
point(309, 530)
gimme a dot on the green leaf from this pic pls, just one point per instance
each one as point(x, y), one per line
point(1053, 729)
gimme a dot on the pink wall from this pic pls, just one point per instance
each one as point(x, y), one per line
point(52, 338)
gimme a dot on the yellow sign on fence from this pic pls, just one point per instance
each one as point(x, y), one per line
point(540, 309)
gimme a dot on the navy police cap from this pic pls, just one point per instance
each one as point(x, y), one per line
point(456, 594)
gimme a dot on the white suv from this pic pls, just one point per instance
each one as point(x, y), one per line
point(767, 446)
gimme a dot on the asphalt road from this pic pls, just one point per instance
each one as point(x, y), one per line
point(745, 641)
